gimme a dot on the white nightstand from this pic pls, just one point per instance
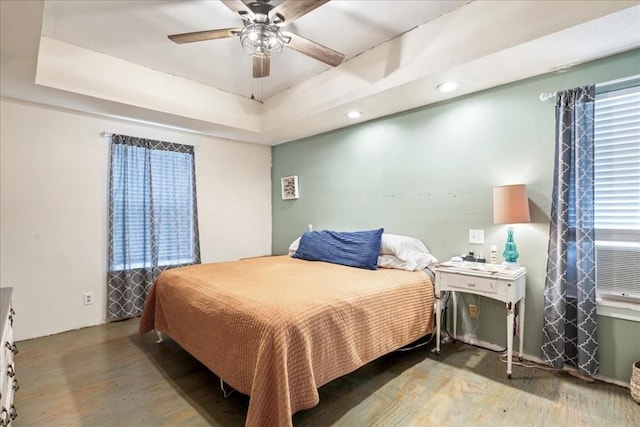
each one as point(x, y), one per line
point(499, 282)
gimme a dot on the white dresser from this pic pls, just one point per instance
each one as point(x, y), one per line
point(8, 381)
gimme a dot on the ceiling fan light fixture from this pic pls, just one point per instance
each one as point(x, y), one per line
point(259, 39)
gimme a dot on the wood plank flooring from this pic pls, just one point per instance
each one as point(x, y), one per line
point(109, 375)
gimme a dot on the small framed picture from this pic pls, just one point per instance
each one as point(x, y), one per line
point(289, 187)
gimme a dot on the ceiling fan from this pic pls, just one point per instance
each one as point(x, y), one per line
point(261, 34)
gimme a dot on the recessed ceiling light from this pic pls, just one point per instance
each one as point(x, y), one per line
point(447, 86)
point(354, 114)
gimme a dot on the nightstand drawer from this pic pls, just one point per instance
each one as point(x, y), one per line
point(470, 284)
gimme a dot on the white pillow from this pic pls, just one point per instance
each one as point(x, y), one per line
point(408, 253)
point(293, 247)
point(392, 261)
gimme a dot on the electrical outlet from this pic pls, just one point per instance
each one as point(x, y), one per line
point(473, 311)
point(88, 298)
point(476, 237)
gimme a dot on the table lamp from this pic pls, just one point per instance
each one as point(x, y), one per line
point(510, 206)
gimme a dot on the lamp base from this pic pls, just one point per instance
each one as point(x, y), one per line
point(510, 253)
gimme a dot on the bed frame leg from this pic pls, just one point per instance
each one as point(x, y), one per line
point(159, 334)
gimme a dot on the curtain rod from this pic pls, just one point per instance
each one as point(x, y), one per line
point(106, 134)
point(548, 95)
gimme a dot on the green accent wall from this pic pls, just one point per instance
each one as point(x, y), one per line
point(429, 173)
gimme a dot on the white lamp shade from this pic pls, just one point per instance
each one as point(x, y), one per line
point(510, 204)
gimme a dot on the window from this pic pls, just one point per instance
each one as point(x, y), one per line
point(153, 221)
point(153, 207)
point(617, 194)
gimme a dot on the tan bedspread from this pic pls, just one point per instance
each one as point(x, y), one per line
point(277, 328)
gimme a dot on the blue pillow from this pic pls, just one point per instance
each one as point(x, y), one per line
point(354, 249)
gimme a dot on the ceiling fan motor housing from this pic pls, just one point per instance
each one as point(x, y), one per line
point(260, 11)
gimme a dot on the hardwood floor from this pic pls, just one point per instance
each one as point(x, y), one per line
point(109, 375)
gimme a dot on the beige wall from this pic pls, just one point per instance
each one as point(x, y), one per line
point(53, 209)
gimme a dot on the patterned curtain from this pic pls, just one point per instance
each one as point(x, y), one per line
point(570, 288)
point(153, 221)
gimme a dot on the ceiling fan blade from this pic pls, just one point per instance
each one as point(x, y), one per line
point(199, 36)
point(261, 67)
point(238, 6)
point(294, 9)
point(313, 49)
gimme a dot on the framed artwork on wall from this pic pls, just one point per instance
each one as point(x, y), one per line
point(289, 187)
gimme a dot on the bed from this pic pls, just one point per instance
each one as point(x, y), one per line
point(277, 328)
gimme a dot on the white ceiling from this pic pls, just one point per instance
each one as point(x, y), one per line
point(113, 58)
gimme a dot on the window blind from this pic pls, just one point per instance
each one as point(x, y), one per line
point(617, 161)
